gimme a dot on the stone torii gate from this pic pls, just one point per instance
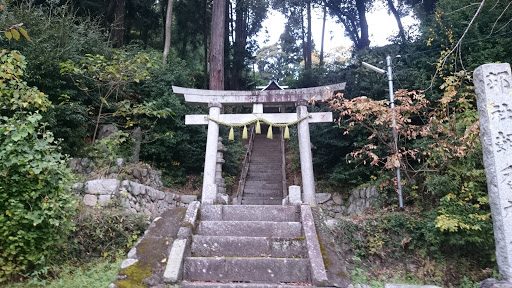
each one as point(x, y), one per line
point(216, 98)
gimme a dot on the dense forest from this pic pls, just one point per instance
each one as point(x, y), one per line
point(69, 68)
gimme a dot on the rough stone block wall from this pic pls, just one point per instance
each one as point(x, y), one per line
point(133, 196)
point(334, 206)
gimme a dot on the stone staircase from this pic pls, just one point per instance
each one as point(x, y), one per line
point(264, 185)
point(254, 246)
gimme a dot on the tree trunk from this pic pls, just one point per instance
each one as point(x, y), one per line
point(364, 41)
point(116, 11)
point(217, 45)
point(205, 44)
point(168, 26)
point(323, 39)
point(401, 31)
point(309, 45)
point(303, 37)
point(137, 140)
point(239, 44)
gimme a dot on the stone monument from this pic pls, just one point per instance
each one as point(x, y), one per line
point(494, 99)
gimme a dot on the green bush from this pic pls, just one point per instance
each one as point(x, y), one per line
point(58, 35)
point(104, 233)
point(35, 206)
point(97, 274)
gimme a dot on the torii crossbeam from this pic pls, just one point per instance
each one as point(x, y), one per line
point(216, 98)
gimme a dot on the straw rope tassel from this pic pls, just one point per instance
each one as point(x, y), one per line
point(244, 133)
point(231, 134)
point(269, 133)
point(286, 132)
point(258, 127)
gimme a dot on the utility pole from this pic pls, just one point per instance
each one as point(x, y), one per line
point(393, 119)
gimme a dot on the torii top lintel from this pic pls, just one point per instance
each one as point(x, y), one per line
point(200, 96)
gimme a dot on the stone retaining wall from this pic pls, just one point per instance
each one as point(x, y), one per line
point(133, 196)
point(140, 173)
point(335, 206)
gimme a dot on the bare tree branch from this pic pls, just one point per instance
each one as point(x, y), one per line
point(499, 17)
point(457, 46)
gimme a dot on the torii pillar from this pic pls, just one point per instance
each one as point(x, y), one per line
point(210, 158)
point(216, 98)
point(306, 156)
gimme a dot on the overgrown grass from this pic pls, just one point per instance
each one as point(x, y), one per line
point(404, 247)
point(98, 274)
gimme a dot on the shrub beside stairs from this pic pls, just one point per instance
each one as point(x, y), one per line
point(253, 246)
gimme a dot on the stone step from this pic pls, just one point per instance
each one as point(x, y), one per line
point(264, 172)
point(272, 192)
point(227, 246)
point(262, 185)
point(275, 192)
point(262, 138)
point(238, 285)
point(265, 160)
point(258, 182)
point(255, 269)
point(266, 149)
point(274, 184)
point(258, 176)
point(249, 201)
point(250, 228)
point(249, 213)
point(264, 175)
point(265, 167)
point(263, 196)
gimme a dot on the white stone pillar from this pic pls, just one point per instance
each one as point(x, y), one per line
point(493, 86)
point(306, 157)
point(210, 158)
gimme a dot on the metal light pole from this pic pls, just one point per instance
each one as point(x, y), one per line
point(392, 105)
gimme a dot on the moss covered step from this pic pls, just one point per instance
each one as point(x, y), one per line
point(250, 228)
point(228, 246)
point(256, 269)
point(250, 213)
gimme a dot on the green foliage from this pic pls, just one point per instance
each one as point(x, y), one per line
point(35, 206)
point(57, 35)
point(108, 83)
point(97, 274)
point(408, 248)
point(181, 153)
point(464, 215)
point(104, 233)
point(107, 150)
point(389, 234)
